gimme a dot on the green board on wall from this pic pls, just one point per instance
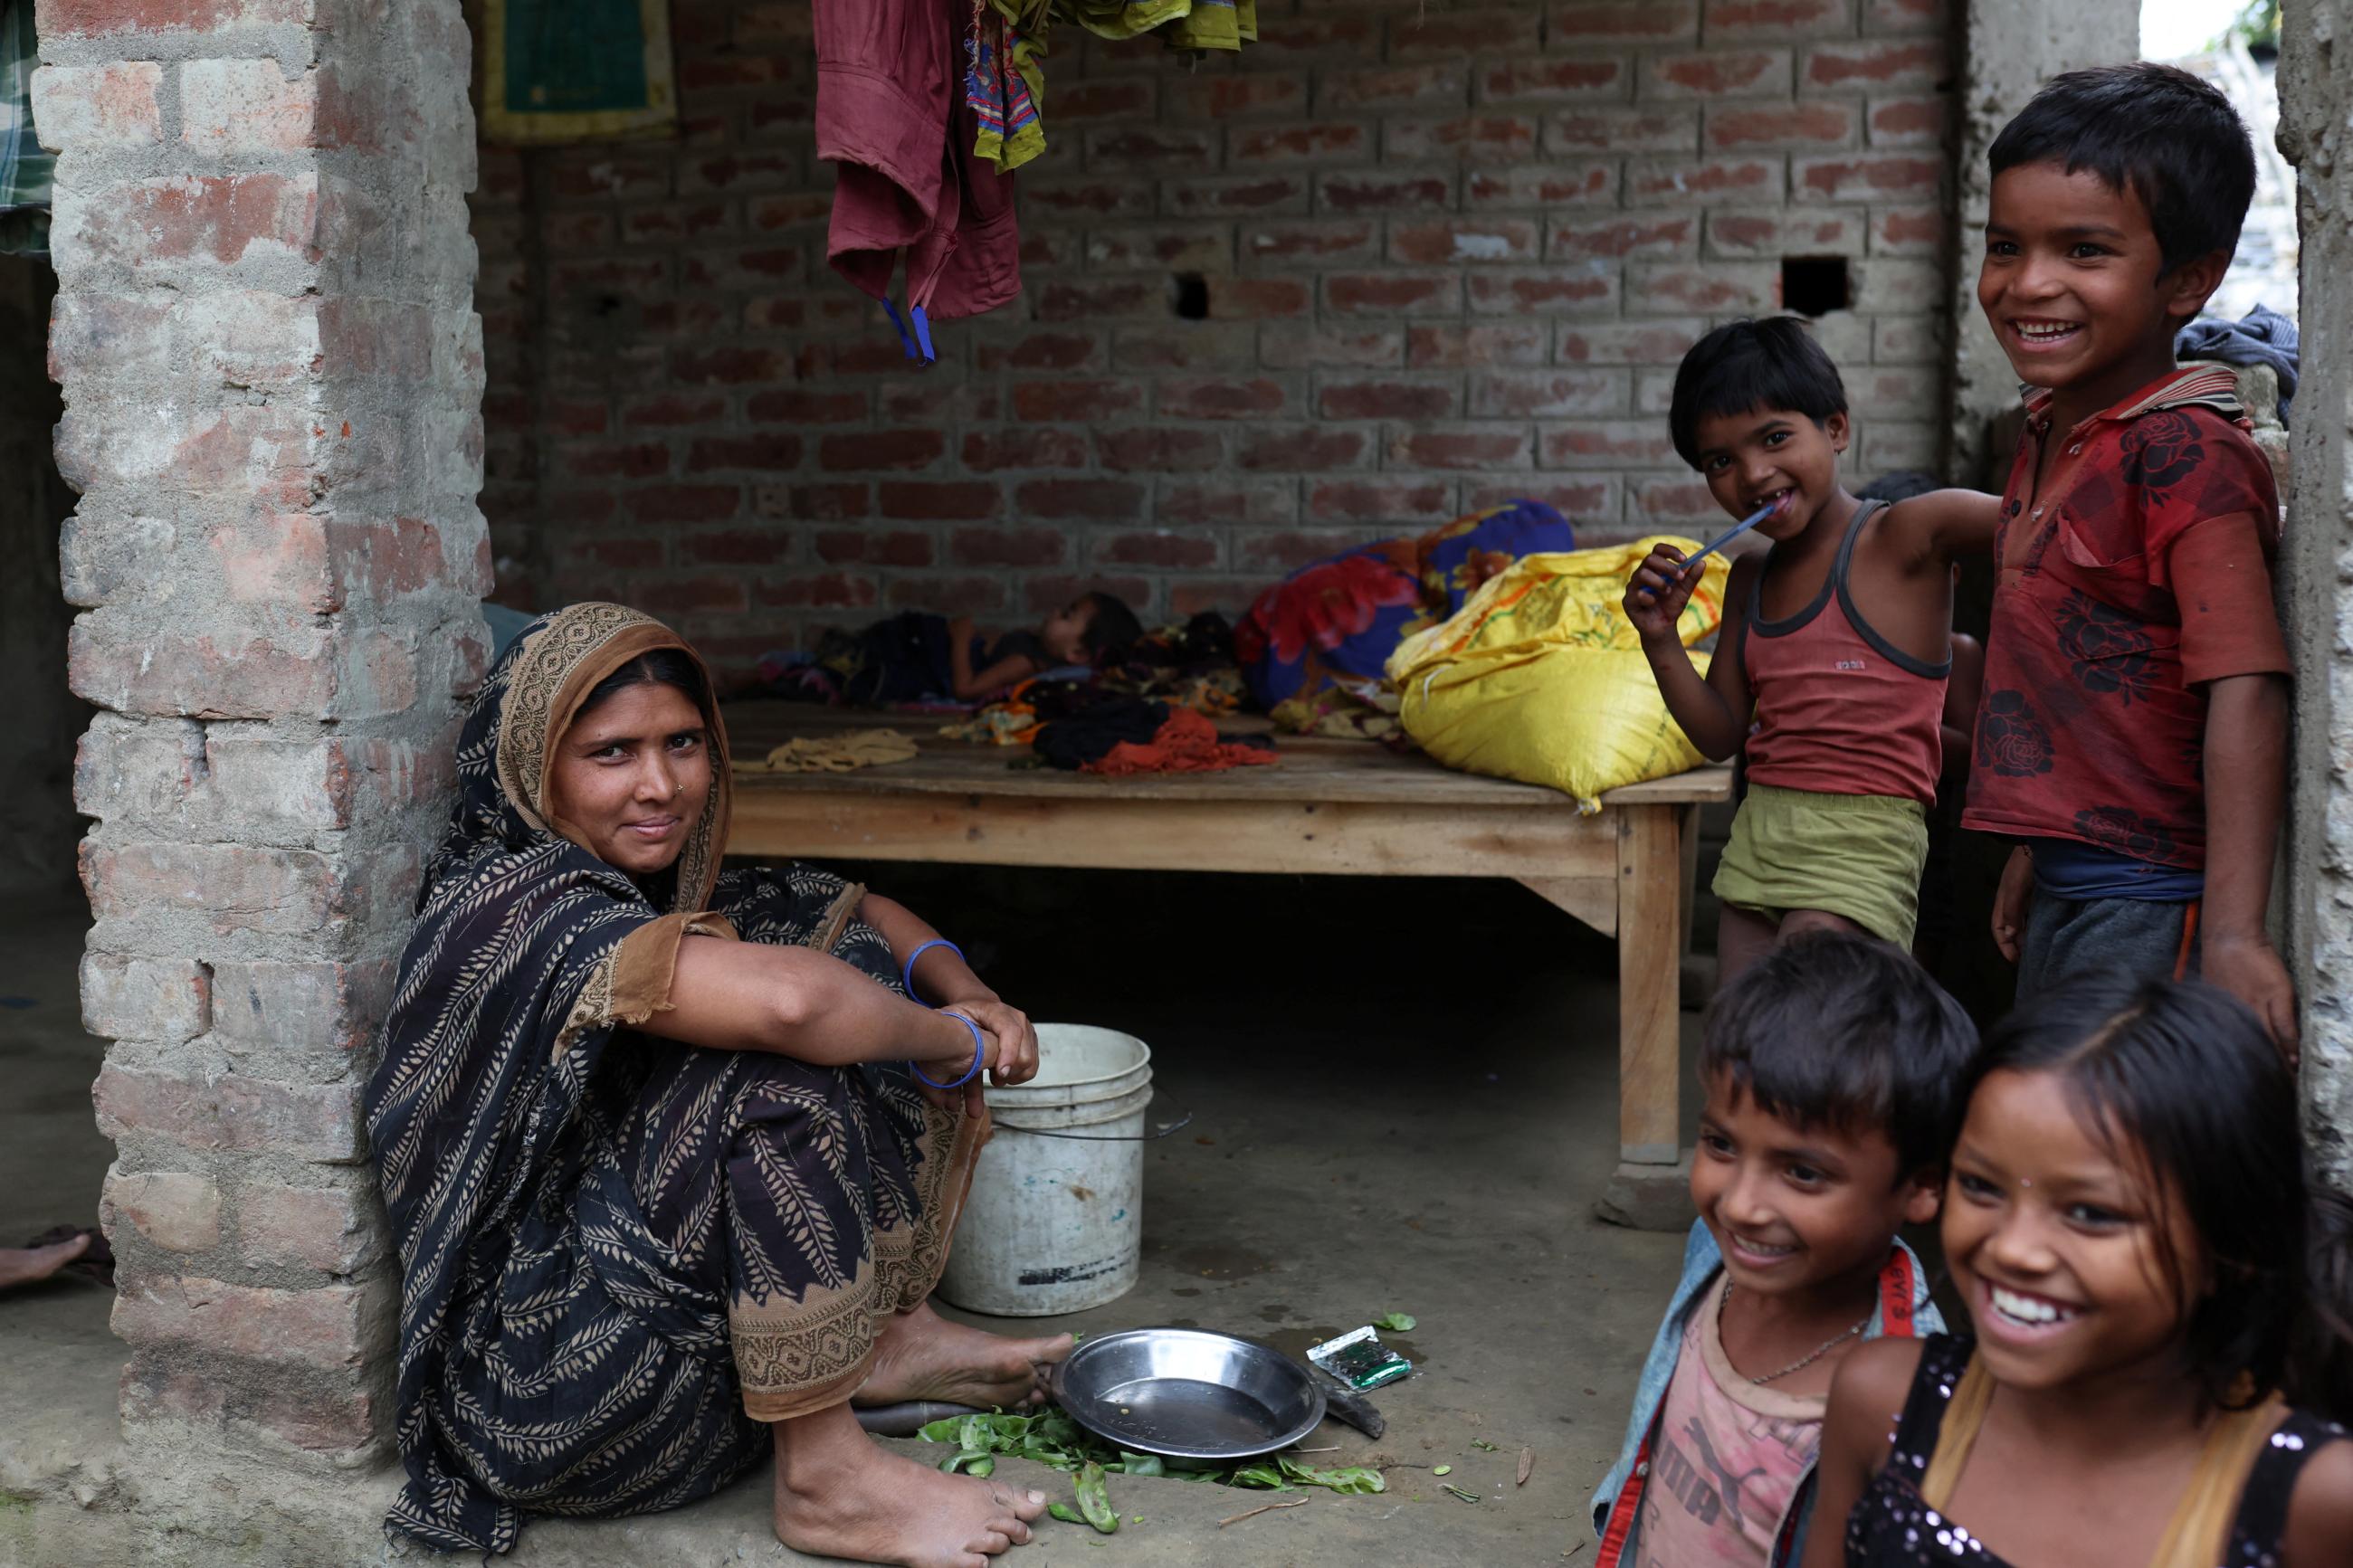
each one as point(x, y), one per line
point(576, 70)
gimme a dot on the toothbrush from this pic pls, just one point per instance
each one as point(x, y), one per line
point(1735, 531)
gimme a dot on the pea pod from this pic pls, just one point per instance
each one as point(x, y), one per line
point(1066, 1513)
point(1095, 1500)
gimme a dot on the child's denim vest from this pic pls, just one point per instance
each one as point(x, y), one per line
point(1904, 1312)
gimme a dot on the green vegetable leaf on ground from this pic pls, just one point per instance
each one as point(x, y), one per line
point(1094, 1499)
point(1395, 1322)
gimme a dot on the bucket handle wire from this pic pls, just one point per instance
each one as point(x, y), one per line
point(1177, 1126)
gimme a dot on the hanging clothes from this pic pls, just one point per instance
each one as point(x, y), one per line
point(892, 115)
point(25, 169)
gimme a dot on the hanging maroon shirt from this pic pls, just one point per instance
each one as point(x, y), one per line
point(2139, 574)
point(891, 115)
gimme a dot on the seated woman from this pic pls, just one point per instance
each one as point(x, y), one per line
point(666, 1191)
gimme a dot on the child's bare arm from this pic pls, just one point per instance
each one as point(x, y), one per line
point(1013, 667)
point(1713, 710)
point(2320, 1515)
point(1945, 526)
point(2246, 778)
point(1866, 1399)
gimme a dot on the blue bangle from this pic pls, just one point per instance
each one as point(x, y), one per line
point(907, 979)
point(980, 1049)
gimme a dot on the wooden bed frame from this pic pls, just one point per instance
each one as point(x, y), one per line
point(1334, 807)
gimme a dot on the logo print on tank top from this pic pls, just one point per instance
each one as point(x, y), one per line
point(1853, 665)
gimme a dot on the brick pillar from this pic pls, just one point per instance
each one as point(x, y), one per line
point(272, 366)
point(2316, 596)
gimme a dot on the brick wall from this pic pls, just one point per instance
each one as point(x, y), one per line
point(1444, 260)
point(264, 333)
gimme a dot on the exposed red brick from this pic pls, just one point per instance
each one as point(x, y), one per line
point(1343, 33)
point(1868, 177)
point(826, 502)
point(1392, 293)
point(1615, 444)
point(1582, 24)
point(1315, 348)
point(1907, 63)
point(94, 18)
point(1007, 546)
point(684, 503)
point(1236, 194)
point(1185, 346)
point(1229, 501)
point(599, 459)
point(1297, 144)
point(1043, 351)
point(1455, 242)
point(1254, 299)
point(1720, 73)
point(1158, 548)
point(1290, 549)
point(673, 408)
point(799, 405)
point(1303, 448)
point(1557, 291)
point(1804, 125)
point(956, 500)
point(1159, 448)
point(858, 546)
point(1910, 121)
point(1547, 394)
point(1492, 448)
point(1200, 397)
point(992, 451)
point(1380, 399)
point(1399, 502)
point(1678, 182)
point(1634, 342)
point(1395, 86)
point(1908, 231)
point(1043, 402)
point(1203, 97)
point(735, 547)
point(1085, 102)
point(1188, 247)
point(1727, 20)
point(1591, 501)
point(1504, 29)
point(1479, 138)
point(1547, 184)
point(1082, 501)
point(881, 450)
point(1583, 132)
point(1634, 235)
point(1325, 240)
point(767, 454)
point(1717, 287)
point(1101, 301)
point(1518, 343)
point(1785, 231)
point(835, 591)
point(1383, 192)
point(1577, 78)
point(1176, 149)
point(729, 365)
point(1073, 198)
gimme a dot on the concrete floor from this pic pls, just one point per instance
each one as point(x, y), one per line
point(1404, 1100)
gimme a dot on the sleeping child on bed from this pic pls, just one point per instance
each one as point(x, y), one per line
point(917, 656)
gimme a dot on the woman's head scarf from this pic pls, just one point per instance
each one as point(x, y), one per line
point(527, 954)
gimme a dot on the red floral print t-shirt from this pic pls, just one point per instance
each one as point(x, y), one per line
point(2142, 572)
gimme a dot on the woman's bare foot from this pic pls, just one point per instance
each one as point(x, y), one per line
point(839, 1495)
point(921, 1355)
point(24, 1265)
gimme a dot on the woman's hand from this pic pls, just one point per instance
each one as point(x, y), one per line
point(1657, 593)
point(1008, 1054)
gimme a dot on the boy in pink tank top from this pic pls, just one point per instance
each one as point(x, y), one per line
point(1829, 669)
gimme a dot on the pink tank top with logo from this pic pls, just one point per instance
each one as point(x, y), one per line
point(1839, 709)
point(1725, 1460)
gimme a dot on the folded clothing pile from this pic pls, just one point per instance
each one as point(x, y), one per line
point(1134, 735)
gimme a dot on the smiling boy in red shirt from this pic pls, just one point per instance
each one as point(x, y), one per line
point(2136, 668)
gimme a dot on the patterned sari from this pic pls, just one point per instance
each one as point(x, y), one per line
point(620, 1255)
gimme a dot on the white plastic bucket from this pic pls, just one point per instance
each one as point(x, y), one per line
point(1056, 1225)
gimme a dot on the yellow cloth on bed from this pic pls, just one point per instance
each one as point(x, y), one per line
point(1539, 677)
point(833, 753)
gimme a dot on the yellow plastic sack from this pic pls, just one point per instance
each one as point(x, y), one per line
point(1539, 677)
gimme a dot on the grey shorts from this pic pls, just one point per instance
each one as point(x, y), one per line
point(2148, 939)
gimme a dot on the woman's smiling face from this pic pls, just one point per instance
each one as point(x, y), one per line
point(631, 777)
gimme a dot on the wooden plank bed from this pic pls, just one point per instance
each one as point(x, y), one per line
point(1332, 808)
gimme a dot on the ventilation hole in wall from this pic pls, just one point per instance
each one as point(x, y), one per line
point(1188, 296)
point(1814, 285)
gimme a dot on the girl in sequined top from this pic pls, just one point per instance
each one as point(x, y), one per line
point(2162, 1322)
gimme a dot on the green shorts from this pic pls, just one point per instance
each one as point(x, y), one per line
point(1859, 856)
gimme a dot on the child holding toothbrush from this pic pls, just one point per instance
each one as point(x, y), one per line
point(1830, 667)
